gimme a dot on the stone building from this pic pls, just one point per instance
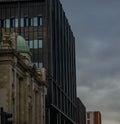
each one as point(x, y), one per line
point(22, 84)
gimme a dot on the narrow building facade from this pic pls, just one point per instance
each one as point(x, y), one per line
point(94, 117)
point(81, 112)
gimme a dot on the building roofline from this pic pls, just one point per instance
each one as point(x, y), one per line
point(93, 112)
point(4, 1)
point(22, 65)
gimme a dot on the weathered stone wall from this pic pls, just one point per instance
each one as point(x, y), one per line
point(21, 95)
point(21, 91)
point(4, 85)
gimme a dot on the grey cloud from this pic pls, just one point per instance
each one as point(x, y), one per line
point(96, 26)
point(105, 100)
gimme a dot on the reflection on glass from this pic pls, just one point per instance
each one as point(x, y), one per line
point(40, 43)
point(35, 21)
point(4, 23)
point(31, 44)
point(36, 63)
point(16, 23)
point(31, 21)
point(35, 44)
point(40, 64)
point(26, 22)
point(40, 20)
point(27, 42)
point(7, 23)
point(12, 22)
point(21, 22)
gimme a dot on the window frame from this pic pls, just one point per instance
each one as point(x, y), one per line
point(12, 22)
point(26, 22)
point(40, 64)
point(16, 22)
point(21, 22)
point(40, 20)
point(7, 23)
point(35, 42)
point(40, 45)
point(31, 45)
point(35, 19)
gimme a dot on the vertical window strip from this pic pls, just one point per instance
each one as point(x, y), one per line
point(40, 43)
point(16, 22)
point(12, 22)
point(35, 21)
point(4, 23)
point(31, 43)
point(40, 64)
point(22, 22)
point(31, 21)
point(26, 21)
point(36, 63)
point(35, 44)
point(40, 20)
point(27, 42)
point(7, 23)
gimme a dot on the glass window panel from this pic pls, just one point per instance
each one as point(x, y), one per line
point(40, 43)
point(40, 20)
point(35, 21)
point(31, 44)
point(12, 22)
point(27, 42)
point(40, 64)
point(16, 23)
point(35, 43)
point(4, 23)
point(31, 21)
point(45, 91)
point(21, 22)
point(7, 23)
point(26, 22)
point(36, 63)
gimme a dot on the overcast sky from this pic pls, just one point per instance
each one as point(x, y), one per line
point(96, 26)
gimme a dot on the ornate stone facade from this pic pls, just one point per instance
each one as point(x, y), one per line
point(21, 84)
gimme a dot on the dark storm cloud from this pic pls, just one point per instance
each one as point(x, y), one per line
point(96, 26)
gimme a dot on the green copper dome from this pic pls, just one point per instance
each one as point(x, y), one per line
point(22, 45)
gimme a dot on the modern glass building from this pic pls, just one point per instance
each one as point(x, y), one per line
point(45, 27)
point(81, 112)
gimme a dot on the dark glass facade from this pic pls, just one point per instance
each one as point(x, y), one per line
point(46, 29)
point(81, 112)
